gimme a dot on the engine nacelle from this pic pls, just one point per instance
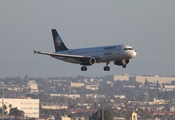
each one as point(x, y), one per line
point(121, 62)
point(88, 61)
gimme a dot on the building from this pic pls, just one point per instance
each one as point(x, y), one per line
point(76, 85)
point(33, 86)
point(54, 107)
point(29, 106)
point(51, 117)
point(120, 96)
point(95, 95)
point(73, 96)
point(133, 116)
point(152, 79)
point(158, 101)
point(119, 118)
point(124, 77)
point(65, 118)
point(14, 88)
point(92, 87)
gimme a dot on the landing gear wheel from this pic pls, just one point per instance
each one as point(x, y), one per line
point(106, 68)
point(84, 68)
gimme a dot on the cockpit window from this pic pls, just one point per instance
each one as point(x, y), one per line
point(128, 49)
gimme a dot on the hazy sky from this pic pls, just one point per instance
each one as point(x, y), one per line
point(148, 26)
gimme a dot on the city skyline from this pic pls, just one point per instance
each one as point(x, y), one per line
point(148, 26)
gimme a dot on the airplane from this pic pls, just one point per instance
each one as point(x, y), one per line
point(118, 54)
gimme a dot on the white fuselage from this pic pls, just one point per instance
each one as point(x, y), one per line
point(101, 54)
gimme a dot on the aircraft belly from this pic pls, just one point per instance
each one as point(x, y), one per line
point(106, 57)
point(102, 57)
point(70, 60)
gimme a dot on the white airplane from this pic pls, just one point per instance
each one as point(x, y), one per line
point(119, 54)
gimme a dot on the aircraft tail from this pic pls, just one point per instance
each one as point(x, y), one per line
point(58, 43)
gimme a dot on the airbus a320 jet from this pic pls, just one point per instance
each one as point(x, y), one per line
point(118, 54)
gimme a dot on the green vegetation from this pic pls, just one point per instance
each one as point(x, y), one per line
point(15, 112)
point(98, 115)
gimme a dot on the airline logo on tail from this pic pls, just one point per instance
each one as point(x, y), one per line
point(58, 43)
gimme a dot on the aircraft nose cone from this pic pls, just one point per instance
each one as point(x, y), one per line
point(133, 54)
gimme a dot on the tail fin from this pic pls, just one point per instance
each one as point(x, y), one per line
point(58, 43)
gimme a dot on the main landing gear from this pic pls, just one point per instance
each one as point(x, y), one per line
point(124, 65)
point(106, 68)
point(84, 68)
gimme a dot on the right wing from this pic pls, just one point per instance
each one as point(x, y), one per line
point(60, 55)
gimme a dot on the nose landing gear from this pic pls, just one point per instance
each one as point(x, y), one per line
point(106, 68)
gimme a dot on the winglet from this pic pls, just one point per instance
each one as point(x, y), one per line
point(36, 52)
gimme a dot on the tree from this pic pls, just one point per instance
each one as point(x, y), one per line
point(146, 83)
point(98, 115)
point(10, 106)
point(157, 85)
point(15, 112)
point(107, 115)
point(71, 115)
point(4, 107)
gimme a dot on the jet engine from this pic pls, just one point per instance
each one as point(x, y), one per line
point(121, 62)
point(88, 61)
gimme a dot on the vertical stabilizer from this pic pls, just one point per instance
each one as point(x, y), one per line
point(58, 43)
